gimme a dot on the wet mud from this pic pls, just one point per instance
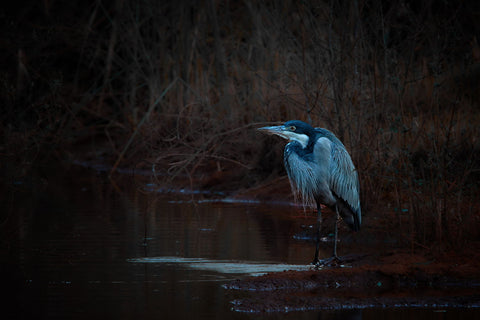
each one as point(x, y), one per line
point(392, 280)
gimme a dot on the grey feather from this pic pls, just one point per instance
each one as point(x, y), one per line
point(305, 178)
point(320, 171)
point(343, 179)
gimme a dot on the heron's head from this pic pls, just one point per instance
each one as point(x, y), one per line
point(293, 130)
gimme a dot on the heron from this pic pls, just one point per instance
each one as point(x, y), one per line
point(321, 171)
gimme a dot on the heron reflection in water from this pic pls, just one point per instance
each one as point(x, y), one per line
point(321, 171)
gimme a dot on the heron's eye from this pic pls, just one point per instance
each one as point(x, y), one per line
point(292, 128)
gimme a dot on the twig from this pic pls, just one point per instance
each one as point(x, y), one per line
point(145, 117)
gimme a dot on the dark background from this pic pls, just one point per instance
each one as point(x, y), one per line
point(182, 85)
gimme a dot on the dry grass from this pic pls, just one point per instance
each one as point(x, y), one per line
point(182, 85)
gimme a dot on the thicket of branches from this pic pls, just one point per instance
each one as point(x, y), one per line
point(181, 85)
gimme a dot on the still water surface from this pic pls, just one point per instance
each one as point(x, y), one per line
point(80, 247)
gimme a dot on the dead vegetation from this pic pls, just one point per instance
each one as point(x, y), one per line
point(180, 86)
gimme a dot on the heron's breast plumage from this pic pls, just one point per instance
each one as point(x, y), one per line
point(308, 176)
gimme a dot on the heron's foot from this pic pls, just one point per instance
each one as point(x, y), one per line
point(333, 261)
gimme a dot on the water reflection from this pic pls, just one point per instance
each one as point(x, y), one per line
point(73, 238)
point(222, 232)
point(250, 268)
point(77, 246)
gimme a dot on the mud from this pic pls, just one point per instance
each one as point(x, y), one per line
point(391, 280)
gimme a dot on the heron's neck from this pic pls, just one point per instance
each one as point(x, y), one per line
point(296, 147)
point(302, 139)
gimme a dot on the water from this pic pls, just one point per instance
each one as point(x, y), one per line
point(76, 246)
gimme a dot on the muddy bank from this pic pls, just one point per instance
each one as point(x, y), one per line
point(389, 280)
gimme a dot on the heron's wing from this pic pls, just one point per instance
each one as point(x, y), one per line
point(343, 177)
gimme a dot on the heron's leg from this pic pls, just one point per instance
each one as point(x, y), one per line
point(335, 233)
point(334, 259)
point(318, 227)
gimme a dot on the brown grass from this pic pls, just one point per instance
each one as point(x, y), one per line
point(181, 86)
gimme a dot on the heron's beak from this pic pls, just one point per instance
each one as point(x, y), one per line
point(277, 130)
